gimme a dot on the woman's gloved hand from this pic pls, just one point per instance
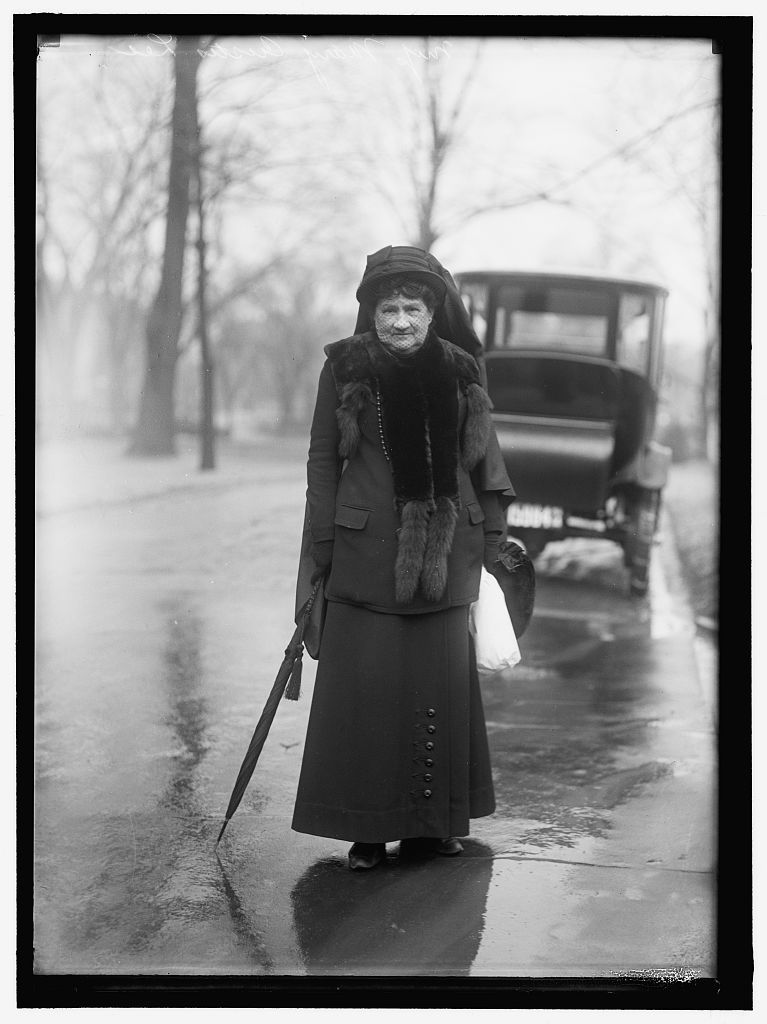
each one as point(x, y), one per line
point(492, 543)
point(494, 525)
point(322, 555)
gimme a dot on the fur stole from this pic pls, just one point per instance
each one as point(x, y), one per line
point(417, 401)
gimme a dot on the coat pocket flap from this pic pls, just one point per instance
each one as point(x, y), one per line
point(476, 515)
point(353, 518)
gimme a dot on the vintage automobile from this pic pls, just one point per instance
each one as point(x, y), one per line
point(573, 365)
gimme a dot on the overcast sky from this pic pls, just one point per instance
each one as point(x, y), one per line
point(534, 103)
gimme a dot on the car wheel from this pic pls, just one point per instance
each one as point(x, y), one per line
point(637, 549)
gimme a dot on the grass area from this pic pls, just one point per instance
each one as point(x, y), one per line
point(692, 501)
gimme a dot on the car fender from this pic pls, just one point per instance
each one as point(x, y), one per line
point(650, 468)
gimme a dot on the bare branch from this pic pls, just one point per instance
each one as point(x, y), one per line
point(632, 144)
point(549, 194)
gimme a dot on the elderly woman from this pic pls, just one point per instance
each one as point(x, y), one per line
point(406, 499)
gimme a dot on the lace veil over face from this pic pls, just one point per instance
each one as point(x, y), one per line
point(403, 315)
point(451, 319)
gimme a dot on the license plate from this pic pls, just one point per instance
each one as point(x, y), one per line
point(536, 517)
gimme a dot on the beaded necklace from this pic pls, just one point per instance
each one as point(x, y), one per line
point(380, 423)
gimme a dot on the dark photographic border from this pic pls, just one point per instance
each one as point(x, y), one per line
point(732, 38)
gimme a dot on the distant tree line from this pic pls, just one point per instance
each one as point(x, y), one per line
point(177, 152)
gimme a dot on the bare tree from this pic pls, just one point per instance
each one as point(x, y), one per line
point(417, 134)
point(155, 429)
point(251, 168)
point(429, 134)
point(290, 338)
point(427, 120)
point(679, 155)
point(696, 182)
point(436, 120)
point(98, 199)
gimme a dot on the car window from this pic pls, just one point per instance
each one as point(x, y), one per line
point(540, 385)
point(633, 341)
point(475, 299)
point(564, 319)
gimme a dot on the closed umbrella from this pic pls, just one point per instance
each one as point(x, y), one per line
point(287, 682)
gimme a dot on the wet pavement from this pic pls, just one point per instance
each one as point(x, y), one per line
point(161, 622)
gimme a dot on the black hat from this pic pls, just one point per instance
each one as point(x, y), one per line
point(451, 318)
point(395, 260)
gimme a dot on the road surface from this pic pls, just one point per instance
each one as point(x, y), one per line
point(161, 621)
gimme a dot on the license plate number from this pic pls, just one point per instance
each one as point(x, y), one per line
point(536, 517)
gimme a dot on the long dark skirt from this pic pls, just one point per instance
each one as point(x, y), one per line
point(396, 745)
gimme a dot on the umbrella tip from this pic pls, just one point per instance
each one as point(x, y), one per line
point(221, 832)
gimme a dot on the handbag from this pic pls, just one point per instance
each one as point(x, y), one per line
point(495, 643)
point(514, 570)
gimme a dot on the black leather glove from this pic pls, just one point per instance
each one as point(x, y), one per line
point(322, 555)
point(492, 543)
point(494, 525)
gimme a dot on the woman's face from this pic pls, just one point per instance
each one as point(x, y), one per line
point(402, 322)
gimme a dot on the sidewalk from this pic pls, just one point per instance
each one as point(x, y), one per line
point(159, 632)
point(87, 472)
point(691, 498)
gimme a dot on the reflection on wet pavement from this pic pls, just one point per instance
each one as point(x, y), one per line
point(147, 698)
point(153, 890)
point(566, 727)
point(250, 941)
point(402, 918)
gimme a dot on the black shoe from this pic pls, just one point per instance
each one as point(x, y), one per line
point(428, 847)
point(449, 847)
point(363, 856)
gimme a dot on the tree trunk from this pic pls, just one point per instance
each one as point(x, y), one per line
point(155, 430)
point(207, 427)
point(709, 392)
point(709, 382)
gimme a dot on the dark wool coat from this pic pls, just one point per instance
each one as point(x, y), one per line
point(396, 743)
point(351, 488)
